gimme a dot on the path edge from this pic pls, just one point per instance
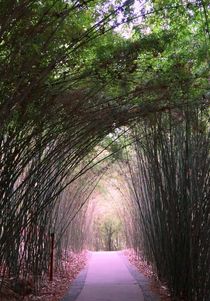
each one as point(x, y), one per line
point(143, 282)
point(78, 283)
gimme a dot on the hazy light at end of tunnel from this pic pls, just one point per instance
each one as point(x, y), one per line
point(140, 9)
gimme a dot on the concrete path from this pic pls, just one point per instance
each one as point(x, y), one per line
point(108, 279)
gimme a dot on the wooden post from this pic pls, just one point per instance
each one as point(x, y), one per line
point(52, 255)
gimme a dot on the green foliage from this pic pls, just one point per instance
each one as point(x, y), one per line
point(107, 233)
point(68, 79)
point(169, 187)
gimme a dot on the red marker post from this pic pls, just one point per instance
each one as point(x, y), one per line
point(52, 255)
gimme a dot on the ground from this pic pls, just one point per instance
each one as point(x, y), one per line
point(56, 289)
point(145, 268)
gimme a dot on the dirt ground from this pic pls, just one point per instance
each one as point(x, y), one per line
point(52, 290)
point(146, 269)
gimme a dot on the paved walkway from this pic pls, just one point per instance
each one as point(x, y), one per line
point(107, 279)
